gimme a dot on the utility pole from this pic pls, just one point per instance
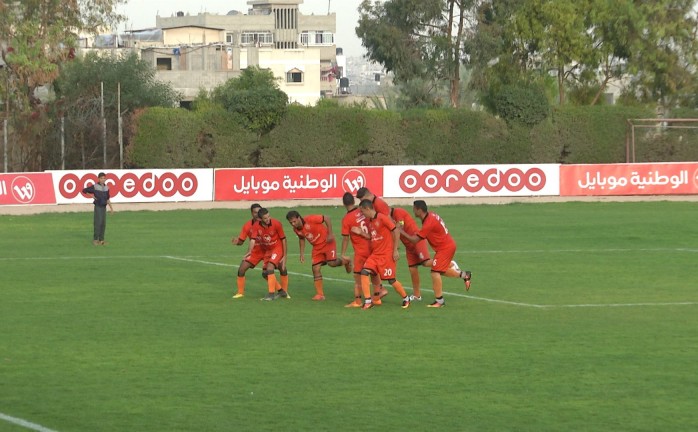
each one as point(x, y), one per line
point(104, 131)
point(121, 135)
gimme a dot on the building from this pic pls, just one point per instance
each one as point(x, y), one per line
point(205, 50)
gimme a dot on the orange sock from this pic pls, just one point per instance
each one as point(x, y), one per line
point(318, 287)
point(241, 284)
point(271, 283)
point(366, 286)
point(284, 282)
point(277, 285)
point(400, 290)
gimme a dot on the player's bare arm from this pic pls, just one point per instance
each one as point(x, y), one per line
point(359, 231)
point(328, 223)
point(301, 249)
point(396, 240)
point(411, 237)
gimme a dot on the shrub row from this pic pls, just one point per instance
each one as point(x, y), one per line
point(330, 136)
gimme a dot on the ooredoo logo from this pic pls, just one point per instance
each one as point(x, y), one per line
point(353, 180)
point(23, 189)
point(130, 184)
point(472, 180)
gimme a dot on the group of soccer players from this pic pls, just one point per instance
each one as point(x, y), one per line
point(374, 230)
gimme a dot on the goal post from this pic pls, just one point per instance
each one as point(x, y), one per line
point(660, 125)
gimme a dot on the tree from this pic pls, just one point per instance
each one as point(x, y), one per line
point(78, 97)
point(587, 43)
point(36, 37)
point(256, 97)
point(39, 35)
point(416, 39)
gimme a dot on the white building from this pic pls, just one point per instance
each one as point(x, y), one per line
point(205, 50)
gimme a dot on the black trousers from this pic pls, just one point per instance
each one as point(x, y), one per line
point(100, 220)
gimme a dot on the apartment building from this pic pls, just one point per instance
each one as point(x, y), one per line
point(206, 49)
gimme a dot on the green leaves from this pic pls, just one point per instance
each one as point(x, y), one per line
point(416, 39)
point(587, 44)
point(255, 96)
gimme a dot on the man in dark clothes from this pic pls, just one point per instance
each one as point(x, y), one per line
point(100, 194)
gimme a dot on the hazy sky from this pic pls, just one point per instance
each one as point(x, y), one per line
point(141, 14)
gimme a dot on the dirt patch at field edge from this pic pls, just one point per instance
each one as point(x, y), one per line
point(405, 202)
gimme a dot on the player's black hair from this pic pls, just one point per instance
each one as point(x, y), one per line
point(421, 204)
point(362, 192)
point(292, 214)
point(366, 204)
point(348, 199)
point(254, 206)
point(262, 211)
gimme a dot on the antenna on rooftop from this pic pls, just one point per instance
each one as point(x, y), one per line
point(329, 2)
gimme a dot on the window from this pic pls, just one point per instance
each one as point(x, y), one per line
point(256, 38)
point(163, 63)
point(294, 76)
point(317, 38)
point(229, 38)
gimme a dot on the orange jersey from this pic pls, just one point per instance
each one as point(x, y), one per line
point(435, 231)
point(381, 229)
point(354, 218)
point(381, 206)
point(314, 230)
point(269, 236)
point(402, 217)
point(246, 231)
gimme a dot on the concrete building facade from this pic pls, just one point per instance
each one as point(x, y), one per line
point(205, 50)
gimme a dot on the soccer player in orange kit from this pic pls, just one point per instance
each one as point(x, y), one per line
point(361, 246)
point(384, 237)
point(317, 230)
point(435, 231)
point(272, 241)
point(255, 254)
point(417, 253)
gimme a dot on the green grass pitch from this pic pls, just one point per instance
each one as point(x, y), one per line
point(582, 317)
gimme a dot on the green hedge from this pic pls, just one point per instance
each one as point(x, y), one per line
point(177, 138)
point(329, 135)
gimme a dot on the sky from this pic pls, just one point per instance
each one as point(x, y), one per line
point(141, 14)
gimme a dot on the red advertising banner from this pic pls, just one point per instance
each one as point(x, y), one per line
point(26, 189)
point(629, 179)
point(294, 183)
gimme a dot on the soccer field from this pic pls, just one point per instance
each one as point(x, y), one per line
point(582, 316)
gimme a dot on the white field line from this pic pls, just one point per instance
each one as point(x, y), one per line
point(484, 299)
point(472, 297)
point(24, 423)
point(460, 252)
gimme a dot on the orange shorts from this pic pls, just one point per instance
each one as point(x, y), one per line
point(359, 261)
point(273, 255)
point(442, 260)
point(417, 253)
point(383, 266)
point(256, 256)
point(325, 253)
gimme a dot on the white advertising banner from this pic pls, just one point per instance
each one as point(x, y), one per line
point(137, 186)
point(471, 180)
